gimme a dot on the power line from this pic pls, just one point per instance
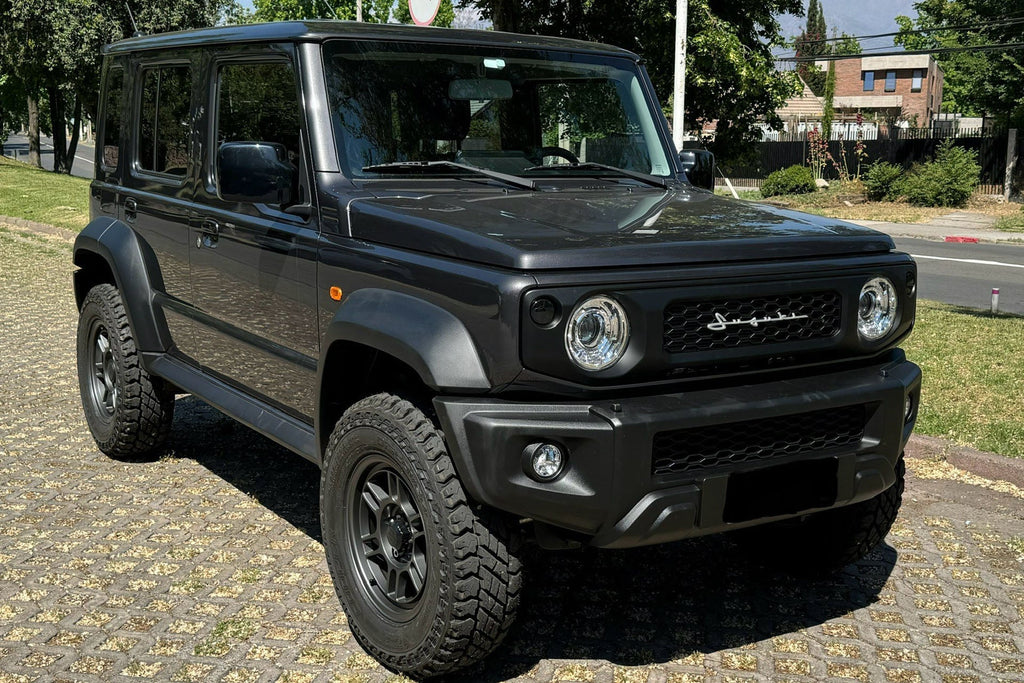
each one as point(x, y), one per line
point(992, 47)
point(1004, 21)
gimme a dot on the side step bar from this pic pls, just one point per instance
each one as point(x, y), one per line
point(274, 424)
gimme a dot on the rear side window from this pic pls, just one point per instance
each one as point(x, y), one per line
point(112, 104)
point(258, 103)
point(164, 124)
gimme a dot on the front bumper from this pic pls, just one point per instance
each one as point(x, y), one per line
point(613, 494)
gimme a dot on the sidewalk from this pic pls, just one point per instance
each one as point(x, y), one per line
point(960, 224)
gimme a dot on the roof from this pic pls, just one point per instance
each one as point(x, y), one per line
point(804, 105)
point(320, 30)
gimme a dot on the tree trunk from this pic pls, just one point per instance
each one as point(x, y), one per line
point(504, 16)
point(73, 143)
point(33, 132)
point(59, 124)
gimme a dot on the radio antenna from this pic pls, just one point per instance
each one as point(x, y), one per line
point(331, 9)
point(135, 27)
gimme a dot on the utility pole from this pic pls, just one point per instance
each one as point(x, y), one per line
point(359, 10)
point(679, 95)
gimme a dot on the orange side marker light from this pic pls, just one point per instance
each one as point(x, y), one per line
point(336, 293)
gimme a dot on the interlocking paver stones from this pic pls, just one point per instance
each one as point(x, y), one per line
point(206, 565)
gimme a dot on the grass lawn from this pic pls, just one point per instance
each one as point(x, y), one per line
point(829, 202)
point(973, 364)
point(41, 196)
point(1012, 223)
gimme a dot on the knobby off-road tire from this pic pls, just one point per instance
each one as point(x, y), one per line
point(826, 541)
point(129, 412)
point(429, 585)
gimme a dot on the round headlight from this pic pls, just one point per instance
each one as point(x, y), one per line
point(597, 333)
point(876, 310)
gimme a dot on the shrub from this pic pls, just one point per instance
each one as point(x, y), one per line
point(883, 181)
point(949, 180)
point(792, 180)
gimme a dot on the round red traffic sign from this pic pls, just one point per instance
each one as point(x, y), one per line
point(424, 11)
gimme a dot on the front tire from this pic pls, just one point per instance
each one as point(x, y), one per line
point(826, 541)
point(429, 585)
point(128, 412)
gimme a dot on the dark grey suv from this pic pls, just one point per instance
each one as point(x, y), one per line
point(465, 274)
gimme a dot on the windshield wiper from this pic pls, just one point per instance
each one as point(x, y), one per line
point(398, 166)
point(585, 165)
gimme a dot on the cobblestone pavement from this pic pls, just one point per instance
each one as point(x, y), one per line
point(206, 565)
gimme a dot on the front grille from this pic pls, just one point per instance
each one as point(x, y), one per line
point(700, 448)
point(815, 315)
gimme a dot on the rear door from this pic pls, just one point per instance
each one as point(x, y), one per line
point(254, 264)
point(159, 185)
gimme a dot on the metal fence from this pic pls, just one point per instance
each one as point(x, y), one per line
point(905, 148)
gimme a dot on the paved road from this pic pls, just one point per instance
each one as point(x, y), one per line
point(207, 565)
point(17, 147)
point(964, 274)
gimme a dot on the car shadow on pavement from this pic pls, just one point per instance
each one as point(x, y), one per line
point(630, 607)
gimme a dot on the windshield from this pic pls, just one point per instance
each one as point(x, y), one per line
point(522, 112)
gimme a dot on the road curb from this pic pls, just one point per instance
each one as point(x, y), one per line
point(42, 228)
point(988, 465)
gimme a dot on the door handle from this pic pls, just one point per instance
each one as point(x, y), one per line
point(131, 209)
point(210, 230)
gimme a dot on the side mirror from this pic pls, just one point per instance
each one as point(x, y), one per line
point(699, 165)
point(256, 172)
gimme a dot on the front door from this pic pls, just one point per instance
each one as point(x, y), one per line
point(254, 264)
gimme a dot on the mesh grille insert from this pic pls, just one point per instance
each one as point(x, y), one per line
point(815, 315)
point(699, 448)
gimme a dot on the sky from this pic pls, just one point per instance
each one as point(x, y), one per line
point(863, 17)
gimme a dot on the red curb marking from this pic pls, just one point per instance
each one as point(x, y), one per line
point(963, 240)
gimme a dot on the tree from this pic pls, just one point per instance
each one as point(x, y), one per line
point(976, 83)
point(54, 48)
point(845, 44)
point(829, 111)
point(12, 106)
point(810, 43)
point(730, 77)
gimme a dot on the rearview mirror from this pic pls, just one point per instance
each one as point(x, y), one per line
point(699, 166)
point(255, 172)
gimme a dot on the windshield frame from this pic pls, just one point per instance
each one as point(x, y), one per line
point(646, 102)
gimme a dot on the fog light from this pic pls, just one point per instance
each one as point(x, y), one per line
point(908, 408)
point(546, 461)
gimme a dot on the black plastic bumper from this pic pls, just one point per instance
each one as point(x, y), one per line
point(610, 492)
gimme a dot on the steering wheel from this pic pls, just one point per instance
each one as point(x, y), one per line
point(557, 152)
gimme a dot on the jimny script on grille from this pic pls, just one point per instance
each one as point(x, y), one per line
point(721, 322)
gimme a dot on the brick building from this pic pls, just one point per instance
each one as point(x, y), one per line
point(904, 87)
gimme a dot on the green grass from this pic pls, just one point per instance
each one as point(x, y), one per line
point(1012, 223)
point(36, 195)
point(973, 364)
point(223, 635)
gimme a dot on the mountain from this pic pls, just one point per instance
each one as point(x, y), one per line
point(866, 17)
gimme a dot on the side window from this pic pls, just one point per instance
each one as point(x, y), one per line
point(164, 124)
point(259, 103)
point(112, 104)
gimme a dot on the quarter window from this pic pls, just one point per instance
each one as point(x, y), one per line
point(890, 81)
point(869, 81)
point(164, 126)
point(112, 117)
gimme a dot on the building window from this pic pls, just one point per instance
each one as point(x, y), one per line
point(915, 83)
point(890, 81)
point(869, 81)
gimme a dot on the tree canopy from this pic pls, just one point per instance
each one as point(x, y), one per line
point(976, 83)
point(730, 75)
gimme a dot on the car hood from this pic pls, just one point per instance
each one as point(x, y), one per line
point(586, 228)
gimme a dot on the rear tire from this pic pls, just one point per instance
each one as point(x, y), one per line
point(826, 541)
point(429, 584)
point(128, 411)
